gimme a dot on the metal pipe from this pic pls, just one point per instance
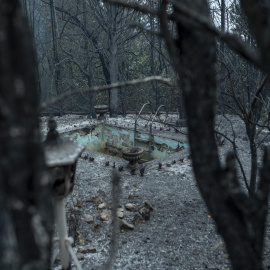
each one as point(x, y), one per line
point(159, 117)
point(61, 226)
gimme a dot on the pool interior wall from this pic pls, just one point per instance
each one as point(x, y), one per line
point(111, 140)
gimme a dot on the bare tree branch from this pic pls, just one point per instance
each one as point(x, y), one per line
point(233, 41)
point(256, 97)
point(138, 7)
point(105, 88)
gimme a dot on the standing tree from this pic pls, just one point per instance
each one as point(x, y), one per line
point(56, 60)
point(240, 219)
point(25, 207)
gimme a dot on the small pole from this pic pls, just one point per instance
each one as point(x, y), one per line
point(61, 226)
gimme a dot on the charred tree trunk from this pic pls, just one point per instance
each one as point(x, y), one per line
point(152, 60)
point(240, 219)
point(251, 131)
point(113, 93)
point(88, 66)
point(91, 99)
point(24, 7)
point(25, 198)
point(222, 65)
point(56, 60)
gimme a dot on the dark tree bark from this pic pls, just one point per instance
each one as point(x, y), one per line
point(258, 17)
point(240, 219)
point(222, 65)
point(113, 63)
point(56, 60)
point(25, 205)
point(88, 65)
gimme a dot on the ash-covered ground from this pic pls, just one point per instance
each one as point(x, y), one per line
point(177, 232)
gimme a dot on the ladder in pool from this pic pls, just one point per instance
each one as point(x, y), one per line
point(151, 119)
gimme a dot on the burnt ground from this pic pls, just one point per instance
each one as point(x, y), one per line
point(180, 233)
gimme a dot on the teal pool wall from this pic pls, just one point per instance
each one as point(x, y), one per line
point(112, 139)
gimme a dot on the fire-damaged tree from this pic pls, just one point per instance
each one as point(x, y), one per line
point(240, 219)
point(25, 205)
point(24, 200)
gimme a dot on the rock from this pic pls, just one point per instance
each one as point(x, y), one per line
point(102, 206)
point(120, 213)
point(131, 207)
point(107, 222)
point(123, 225)
point(132, 196)
point(88, 249)
point(79, 204)
point(81, 240)
point(88, 219)
point(97, 199)
point(106, 215)
point(149, 205)
point(92, 249)
point(145, 212)
point(138, 220)
point(80, 256)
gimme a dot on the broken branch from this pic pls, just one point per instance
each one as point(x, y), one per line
point(105, 88)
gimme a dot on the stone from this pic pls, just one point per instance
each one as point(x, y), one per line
point(121, 213)
point(79, 204)
point(92, 249)
point(80, 256)
point(138, 220)
point(149, 205)
point(145, 212)
point(106, 215)
point(132, 197)
point(81, 240)
point(107, 222)
point(88, 219)
point(102, 206)
point(124, 225)
point(87, 249)
point(97, 199)
point(131, 207)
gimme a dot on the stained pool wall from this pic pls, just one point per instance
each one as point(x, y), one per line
point(112, 139)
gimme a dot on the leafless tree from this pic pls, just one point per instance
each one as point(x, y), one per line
point(25, 200)
point(240, 219)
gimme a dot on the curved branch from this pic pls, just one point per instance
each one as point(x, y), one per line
point(104, 88)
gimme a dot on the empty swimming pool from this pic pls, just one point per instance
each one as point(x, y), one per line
point(111, 139)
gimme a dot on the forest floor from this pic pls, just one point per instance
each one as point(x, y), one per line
point(180, 233)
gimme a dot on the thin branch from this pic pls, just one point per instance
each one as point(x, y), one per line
point(236, 153)
point(256, 97)
point(141, 8)
point(142, 28)
point(105, 88)
point(233, 41)
point(264, 138)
